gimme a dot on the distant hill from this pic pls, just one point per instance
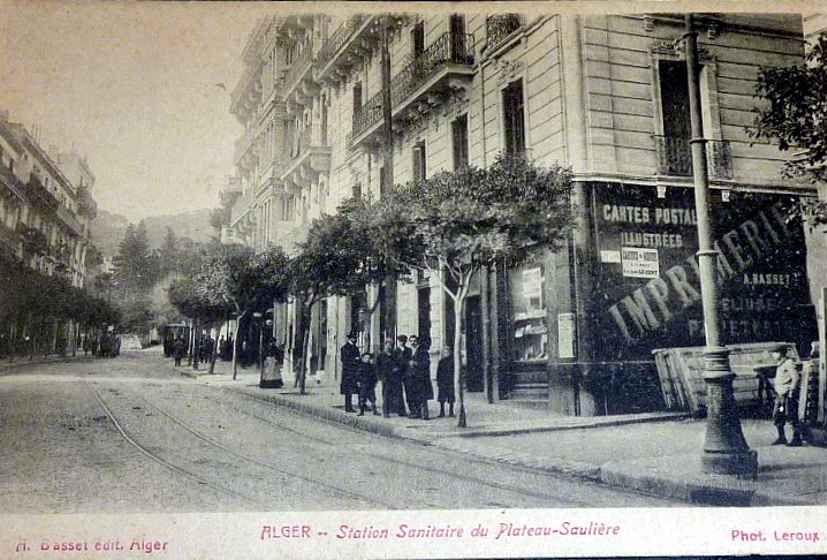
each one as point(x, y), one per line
point(194, 224)
point(108, 228)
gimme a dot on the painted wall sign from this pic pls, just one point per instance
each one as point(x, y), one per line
point(639, 262)
point(763, 293)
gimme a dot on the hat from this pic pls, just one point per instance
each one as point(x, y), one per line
point(402, 338)
point(352, 335)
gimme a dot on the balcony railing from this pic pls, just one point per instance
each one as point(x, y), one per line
point(339, 38)
point(8, 236)
point(675, 157)
point(68, 217)
point(298, 67)
point(450, 48)
point(499, 27)
point(40, 194)
point(299, 143)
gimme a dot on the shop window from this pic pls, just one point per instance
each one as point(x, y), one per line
point(514, 118)
point(459, 132)
point(530, 331)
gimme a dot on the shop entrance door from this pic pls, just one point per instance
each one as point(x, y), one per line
point(473, 344)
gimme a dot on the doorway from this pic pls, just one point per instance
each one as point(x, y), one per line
point(473, 344)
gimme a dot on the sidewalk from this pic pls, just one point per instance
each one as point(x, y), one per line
point(654, 453)
point(20, 361)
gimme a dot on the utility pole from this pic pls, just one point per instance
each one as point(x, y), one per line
point(725, 449)
point(387, 118)
point(387, 181)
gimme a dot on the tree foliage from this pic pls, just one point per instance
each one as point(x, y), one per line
point(793, 113)
point(458, 223)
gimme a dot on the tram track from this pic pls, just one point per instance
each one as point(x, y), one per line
point(398, 462)
point(339, 492)
point(160, 460)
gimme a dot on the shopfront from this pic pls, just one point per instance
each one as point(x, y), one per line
point(647, 289)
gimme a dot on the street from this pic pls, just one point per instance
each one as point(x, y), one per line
point(130, 435)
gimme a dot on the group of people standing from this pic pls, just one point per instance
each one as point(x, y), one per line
point(405, 372)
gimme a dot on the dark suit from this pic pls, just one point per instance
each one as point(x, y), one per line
point(350, 371)
point(403, 358)
point(387, 370)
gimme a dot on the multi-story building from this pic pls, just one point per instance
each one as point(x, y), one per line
point(606, 95)
point(41, 197)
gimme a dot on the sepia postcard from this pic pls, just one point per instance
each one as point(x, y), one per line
point(412, 280)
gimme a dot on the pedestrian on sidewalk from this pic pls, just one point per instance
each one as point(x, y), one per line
point(421, 374)
point(785, 409)
point(366, 380)
point(387, 370)
point(178, 350)
point(350, 370)
point(403, 355)
point(445, 382)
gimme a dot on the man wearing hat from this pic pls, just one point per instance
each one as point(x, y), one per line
point(350, 371)
point(785, 384)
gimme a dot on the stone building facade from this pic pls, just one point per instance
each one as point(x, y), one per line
point(604, 94)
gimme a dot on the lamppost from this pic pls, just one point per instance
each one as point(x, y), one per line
point(725, 449)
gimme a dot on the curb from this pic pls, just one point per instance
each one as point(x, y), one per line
point(24, 362)
point(597, 423)
point(612, 474)
point(722, 492)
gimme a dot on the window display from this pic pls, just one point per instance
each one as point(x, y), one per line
point(530, 343)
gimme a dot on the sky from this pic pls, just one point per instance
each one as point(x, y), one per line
point(133, 88)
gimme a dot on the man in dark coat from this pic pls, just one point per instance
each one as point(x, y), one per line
point(178, 350)
point(350, 371)
point(367, 384)
point(445, 382)
point(385, 366)
point(420, 373)
point(403, 356)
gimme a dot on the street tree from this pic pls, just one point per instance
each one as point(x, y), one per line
point(169, 253)
point(327, 263)
point(453, 225)
point(235, 276)
point(793, 113)
point(376, 249)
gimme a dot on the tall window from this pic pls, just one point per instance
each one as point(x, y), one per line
point(459, 133)
point(382, 181)
point(458, 47)
point(357, 97)
point(674, 98)
point(357, 191)
point(418, 39)
point(514, 118)
point(419, 165)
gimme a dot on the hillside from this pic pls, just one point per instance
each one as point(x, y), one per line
point(108, 228)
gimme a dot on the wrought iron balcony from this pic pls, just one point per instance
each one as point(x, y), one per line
point(307, 158)
point(9, 237)
point(499, 27)
point(451, 51)
point(10, 181)
point(69, 219)
point(339, 37)
point(298, 69)
point(675, 157)
point(86, 203)
point(40, 195)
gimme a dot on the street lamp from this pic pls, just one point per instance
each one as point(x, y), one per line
point(725, 449)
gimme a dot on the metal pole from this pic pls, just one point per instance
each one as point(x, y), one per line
point(725, 449)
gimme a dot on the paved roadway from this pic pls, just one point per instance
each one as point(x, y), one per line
point(130, 435)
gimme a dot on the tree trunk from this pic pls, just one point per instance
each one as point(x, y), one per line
point(196, 339)
point(305, 350)
point(191, 343)
point(235, 345)
point(214, 353)
point(459, 378)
